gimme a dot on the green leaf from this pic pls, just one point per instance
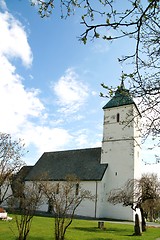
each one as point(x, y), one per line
point(107, 21)
point(84, 40)
point(97, 35)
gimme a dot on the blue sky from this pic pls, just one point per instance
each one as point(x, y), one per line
point(50, 82)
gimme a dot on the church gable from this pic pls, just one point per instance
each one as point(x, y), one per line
point(83, 163)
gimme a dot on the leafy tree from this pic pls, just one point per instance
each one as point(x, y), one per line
point(152, 209)
point(11, 152)
point(136, 192)
point(64, 198)
point(151, 190)
point(137, 20)
point(25, 201)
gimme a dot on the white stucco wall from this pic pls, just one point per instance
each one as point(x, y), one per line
point(137, 144)
point(87, 208)
point(121, 150)
point(121, 130)
point(109, 210)
point(6, 189)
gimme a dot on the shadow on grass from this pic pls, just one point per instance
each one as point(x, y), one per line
point(40, 238)
point(102, 238)
point(122, 230)
point(115, 231)
point(106, 238)
point(91, 229)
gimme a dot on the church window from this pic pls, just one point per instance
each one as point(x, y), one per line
point(116, 173)
point(118, 117)
point(57, 188)
point(77, 189)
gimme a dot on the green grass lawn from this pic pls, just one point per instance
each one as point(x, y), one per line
point(43, 229)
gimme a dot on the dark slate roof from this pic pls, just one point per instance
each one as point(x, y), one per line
point(121, 97)
point(21, 175)
point(83, 163)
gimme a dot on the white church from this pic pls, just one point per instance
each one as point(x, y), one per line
point(101, 169)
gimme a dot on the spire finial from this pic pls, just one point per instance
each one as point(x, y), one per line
point(122, 81)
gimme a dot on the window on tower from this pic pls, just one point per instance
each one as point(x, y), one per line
point(118, 117)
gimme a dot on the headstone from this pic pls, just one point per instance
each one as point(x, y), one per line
point(101, 225)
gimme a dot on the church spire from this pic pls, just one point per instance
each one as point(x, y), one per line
point(121, 96)
point(122, 81)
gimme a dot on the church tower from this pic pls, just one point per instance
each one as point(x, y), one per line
point(121, 146)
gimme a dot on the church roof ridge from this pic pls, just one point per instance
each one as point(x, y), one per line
point(84, 163)
point(72, 150)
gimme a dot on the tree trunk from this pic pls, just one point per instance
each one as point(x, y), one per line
point(143, 220)
point(137, 230)
point(151, 214)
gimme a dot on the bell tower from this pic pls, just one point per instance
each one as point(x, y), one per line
point(121, 145)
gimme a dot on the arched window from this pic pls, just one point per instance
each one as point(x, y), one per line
point(118, 117)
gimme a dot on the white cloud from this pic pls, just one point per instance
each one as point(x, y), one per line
point(46, 138)
point(31, 76)
point(94, 93)
point(22, 112)
point(16, 103)
point(3, 5)
point(82, 138)
point(85, 138)
point(13, 39)
point(71, 92)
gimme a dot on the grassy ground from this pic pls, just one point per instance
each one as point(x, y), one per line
point(42, 229)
